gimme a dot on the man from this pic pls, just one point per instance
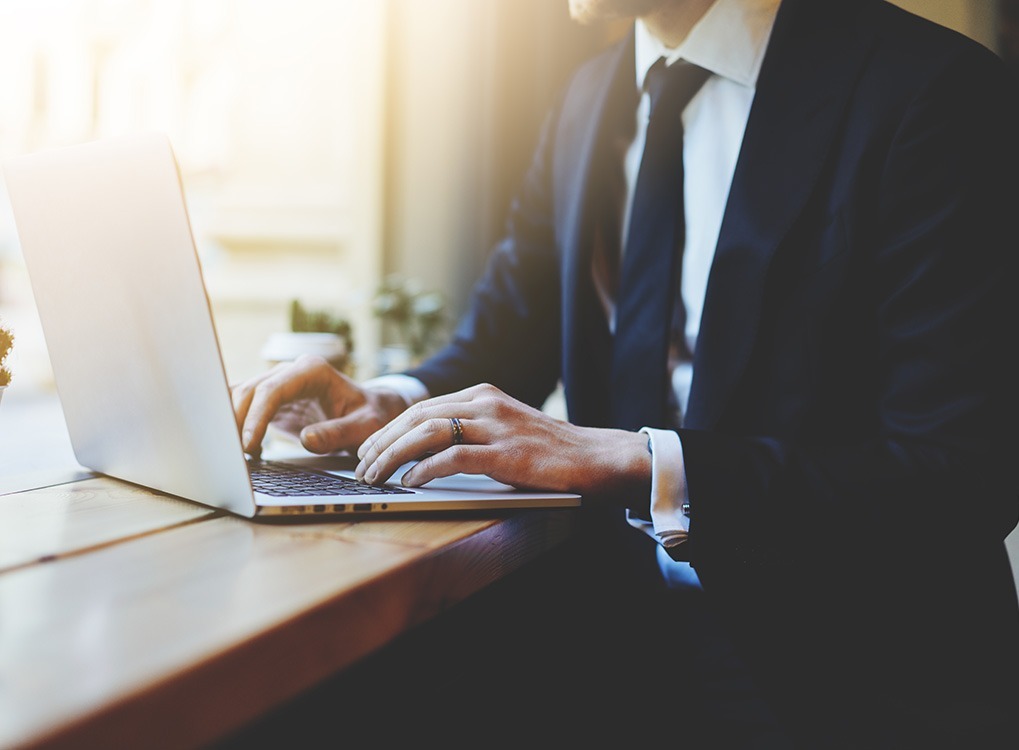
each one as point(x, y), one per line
point(827, 431)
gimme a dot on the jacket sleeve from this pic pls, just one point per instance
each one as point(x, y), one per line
point(510, 335)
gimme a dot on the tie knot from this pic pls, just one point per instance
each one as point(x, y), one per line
point(671, 87)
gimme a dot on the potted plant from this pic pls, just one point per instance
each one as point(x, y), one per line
point(313, 332)
point(6, 344)
point(414, 316)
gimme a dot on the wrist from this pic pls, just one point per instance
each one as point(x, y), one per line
point(622, 465)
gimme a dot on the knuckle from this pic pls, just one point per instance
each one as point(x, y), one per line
point(265, 387)
point(502, 408)
point(476, 391)
point(457, 454)
point(311, 361)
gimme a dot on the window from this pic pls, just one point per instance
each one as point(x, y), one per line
point(275, 113)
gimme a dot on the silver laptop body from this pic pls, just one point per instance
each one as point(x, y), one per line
point(107, 243)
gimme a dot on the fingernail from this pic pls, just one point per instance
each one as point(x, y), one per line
point(408, 479)
point(311, 437)
point(246, 438)
point(370, 476)
point(359, 471)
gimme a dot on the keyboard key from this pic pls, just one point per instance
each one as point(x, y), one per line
point(282, 480)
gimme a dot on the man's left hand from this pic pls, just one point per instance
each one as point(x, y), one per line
point(509, 441)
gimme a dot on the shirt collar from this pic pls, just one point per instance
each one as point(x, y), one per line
point(729, 40)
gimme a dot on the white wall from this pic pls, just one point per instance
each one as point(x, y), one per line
point(431, 133)
point(275, 113)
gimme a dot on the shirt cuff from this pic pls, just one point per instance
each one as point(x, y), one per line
point(411, 389)
point(669, 500)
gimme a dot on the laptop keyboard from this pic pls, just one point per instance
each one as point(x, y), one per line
point(282, 480)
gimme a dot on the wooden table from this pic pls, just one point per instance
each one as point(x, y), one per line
point(134, 619)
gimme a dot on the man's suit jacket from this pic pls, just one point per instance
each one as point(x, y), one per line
point(853, 419)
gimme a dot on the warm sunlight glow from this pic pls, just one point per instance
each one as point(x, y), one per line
point(274, 114)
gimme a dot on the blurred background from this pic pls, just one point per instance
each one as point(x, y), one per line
point(325, 145)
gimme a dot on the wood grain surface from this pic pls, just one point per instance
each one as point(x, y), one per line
point(129, 619)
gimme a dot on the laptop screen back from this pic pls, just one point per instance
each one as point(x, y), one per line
point(108, 246)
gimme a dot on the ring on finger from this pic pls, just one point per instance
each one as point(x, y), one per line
point(458, 430)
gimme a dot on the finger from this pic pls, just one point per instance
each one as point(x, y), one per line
point(340, 434)
point(469, 459)
point(371, 446)
point(461, 404)
point(281, 385)
point(240, 397)
point(242, 393)
point(441, 430)
point(291, 418)
point(431, 435)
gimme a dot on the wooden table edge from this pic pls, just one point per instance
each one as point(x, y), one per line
point(204, 702)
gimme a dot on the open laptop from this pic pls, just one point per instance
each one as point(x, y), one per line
point(107, 242)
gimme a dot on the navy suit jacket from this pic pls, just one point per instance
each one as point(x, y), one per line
point(852, 426)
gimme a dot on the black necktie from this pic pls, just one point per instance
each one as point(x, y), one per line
point(645, 301)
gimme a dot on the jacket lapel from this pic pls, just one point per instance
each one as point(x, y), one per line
point(796, 111)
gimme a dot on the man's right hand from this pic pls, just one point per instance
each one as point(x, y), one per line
point(346, 413)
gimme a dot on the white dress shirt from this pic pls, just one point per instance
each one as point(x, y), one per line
point(730, 41)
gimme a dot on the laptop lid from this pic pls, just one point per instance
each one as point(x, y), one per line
point(107, 242)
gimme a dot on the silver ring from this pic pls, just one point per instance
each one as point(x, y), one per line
point(458, 430)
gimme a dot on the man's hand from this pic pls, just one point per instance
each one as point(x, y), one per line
point(510, 442)
point(309, 397)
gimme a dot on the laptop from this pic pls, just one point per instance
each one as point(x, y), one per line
point(117, 280)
